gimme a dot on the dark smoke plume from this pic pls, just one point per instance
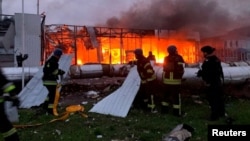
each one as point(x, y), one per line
point(206, 17)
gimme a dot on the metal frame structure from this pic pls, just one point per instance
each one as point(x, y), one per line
point(126, 40)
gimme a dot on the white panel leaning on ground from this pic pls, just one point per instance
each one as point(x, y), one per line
point(119, 102)
point(34, 93)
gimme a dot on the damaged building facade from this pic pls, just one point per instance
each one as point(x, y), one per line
point(116, 45)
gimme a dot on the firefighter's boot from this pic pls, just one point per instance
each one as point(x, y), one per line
point(50, 109)
point(45, 104)
point(56, 100)
point(178, 112)
point(151, 105)
point(11, 136)
point(145, 107)
point(164, 108)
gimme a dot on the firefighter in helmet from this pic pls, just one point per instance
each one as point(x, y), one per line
point(173, 70)
point(51, 73)
point(151, 58)
point(8, 131)
point(147, 92)
point(212, 74)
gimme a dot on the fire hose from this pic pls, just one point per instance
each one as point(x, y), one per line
point(68, 111)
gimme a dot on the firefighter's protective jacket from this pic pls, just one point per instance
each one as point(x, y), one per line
point(6, 86)
point(145, 70)
point(51, 71)
point(7, 130)
point(173, 69)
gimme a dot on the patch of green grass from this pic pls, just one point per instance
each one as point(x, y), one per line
point(137, 126)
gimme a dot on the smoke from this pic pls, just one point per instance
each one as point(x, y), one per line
point(76, 12)
point(207, 17)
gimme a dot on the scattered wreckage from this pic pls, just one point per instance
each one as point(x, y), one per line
point(104, 80)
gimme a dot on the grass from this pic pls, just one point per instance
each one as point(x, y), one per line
point(137, 126)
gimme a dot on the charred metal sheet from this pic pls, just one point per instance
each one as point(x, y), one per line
point(34, 93)
point(119, 102)
point(92, 36)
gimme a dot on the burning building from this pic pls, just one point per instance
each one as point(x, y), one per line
point(151, 26)
point(116, 45)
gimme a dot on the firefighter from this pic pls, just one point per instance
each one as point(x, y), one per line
point(212, 74)
point(8, 131)
point(51, 73)
point(147, 92)
point(151, 57)
point(173, 70)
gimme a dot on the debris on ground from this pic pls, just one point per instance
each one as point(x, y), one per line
point(77, 91)
point(181, 132)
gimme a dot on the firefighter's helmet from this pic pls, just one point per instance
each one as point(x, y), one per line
point(172, 49)
point(138, 51)
point(57, 52)
point(208, 49)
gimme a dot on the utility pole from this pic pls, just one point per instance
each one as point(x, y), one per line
point(23, 44)
point(37, 7)
point(1, 7)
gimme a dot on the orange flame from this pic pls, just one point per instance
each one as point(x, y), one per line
point(118, 51)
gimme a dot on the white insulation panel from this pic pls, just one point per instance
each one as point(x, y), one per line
point(34, 93)
point(119, 102)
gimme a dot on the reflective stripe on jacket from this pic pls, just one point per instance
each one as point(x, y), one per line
point(49, 82)
point(145, 70)
point(8, 87)
point(50, 71)
point(9, 133)
point(1, 99)
point(173, 69)
point(148, 80)
point(171, 80)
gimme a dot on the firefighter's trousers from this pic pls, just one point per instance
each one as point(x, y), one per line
point(49, 102)
point(171, 99)
point(9, 133)
point(146, 96)
point(215, 99)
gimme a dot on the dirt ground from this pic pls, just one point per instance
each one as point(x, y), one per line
point(79, 91)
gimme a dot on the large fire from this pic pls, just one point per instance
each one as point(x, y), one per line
point(119, 50)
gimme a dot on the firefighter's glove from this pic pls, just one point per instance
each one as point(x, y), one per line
point(25, 56)
point(14, 99)
point(207, 84)
point(199, 73)
point(61, 72)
